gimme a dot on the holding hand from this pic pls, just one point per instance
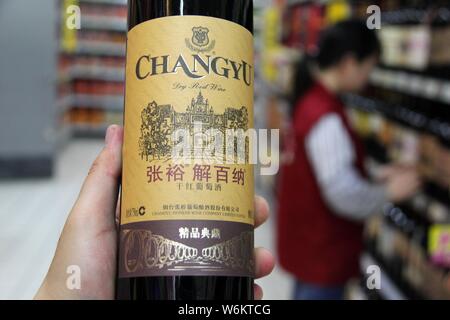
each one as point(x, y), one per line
point(402, 182)
point(89, 238)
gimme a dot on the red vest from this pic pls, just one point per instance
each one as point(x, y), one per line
point(314, 243)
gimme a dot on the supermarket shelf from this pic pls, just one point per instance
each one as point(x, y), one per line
point(92, 73)
point(401, 114)
point(105, 102)
point(389, 289)
point(95, 72)
point(100, 48)
point(441, 72)
point(413, 94)
point(377, 154)
point(399, 249)
point(403, 15)
point(95, 22)
point(426, 205)
point(295, 2)
point(413, 84)
point(109, 2)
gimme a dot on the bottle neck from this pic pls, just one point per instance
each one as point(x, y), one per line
point(238, 11)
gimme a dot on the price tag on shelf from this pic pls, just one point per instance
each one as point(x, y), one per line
point(439, 244)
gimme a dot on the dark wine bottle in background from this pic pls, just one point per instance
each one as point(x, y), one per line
point(186, 229)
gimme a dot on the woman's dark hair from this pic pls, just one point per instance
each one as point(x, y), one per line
point(350, 36)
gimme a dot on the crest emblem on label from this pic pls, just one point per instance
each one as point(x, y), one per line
point(199, 41)
point(200, 36)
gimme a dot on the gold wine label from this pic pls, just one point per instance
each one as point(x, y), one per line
point(187, 203)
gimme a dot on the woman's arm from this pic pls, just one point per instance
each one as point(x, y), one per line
point(332, 155)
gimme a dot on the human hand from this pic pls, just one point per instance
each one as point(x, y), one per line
point(89, 237)
point(383, 173)
point(402, 183)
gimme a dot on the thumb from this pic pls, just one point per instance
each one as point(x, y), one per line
point(98, 196)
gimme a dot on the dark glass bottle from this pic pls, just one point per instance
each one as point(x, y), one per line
point(188, 287)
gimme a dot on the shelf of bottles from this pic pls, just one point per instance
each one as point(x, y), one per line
point(91, 66)
point(404, 117)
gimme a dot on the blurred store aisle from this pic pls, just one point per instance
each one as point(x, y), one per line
point(33, 214)
point(277, 286)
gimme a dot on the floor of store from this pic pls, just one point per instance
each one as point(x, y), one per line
point(34, 212)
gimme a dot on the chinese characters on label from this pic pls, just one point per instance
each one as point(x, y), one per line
point(196, 233)
point(203, 173)
point(207, 207)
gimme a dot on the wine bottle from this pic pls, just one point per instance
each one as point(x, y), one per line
point(187, 200)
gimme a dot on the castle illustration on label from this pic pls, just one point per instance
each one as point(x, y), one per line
point(159, 122)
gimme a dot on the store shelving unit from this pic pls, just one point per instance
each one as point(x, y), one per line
point(91, 72)
point(412, 98)
point(403, 117)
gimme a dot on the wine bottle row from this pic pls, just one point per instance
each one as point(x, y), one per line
point(388, 139)
point(398, 241)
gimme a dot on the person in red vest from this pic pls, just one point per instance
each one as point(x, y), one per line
point(324, 194)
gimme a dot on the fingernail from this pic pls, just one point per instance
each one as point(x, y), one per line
point(110, 134)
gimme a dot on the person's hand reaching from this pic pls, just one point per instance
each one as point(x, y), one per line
point(89, 237)
point(402, 182)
